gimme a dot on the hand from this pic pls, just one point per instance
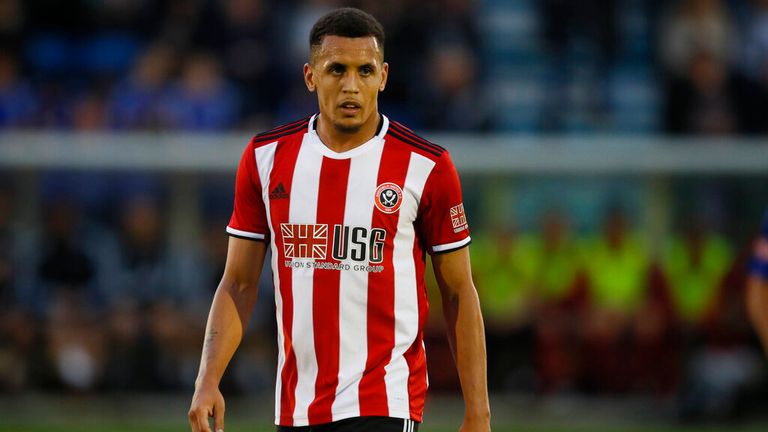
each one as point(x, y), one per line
point(476, 424)
point(207, 402)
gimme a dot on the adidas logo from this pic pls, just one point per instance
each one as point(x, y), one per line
point(278, 192)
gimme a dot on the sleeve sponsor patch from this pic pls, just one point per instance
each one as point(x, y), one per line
point(458, 218)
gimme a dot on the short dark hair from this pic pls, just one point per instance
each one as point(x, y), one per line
point(346, 22)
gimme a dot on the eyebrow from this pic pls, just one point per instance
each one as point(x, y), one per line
point(338, 64)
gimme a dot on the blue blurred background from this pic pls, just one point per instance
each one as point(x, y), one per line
point(614, 160)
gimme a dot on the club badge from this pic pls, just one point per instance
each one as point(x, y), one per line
point(388, 197)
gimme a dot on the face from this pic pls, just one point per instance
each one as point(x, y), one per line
point(347, 74)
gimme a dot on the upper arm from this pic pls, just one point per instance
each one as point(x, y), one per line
point(245, 259)
point(248, 228)
point(453, 272)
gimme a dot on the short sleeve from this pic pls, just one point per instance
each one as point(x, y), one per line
point(249, 216)
point(442, 222)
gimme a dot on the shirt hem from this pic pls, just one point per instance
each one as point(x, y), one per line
point(304, 421)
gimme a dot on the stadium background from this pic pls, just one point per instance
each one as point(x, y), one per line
point(614, 164)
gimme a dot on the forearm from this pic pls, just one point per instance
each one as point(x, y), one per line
point(757, 306)
point(466, 336)
point(227, 320)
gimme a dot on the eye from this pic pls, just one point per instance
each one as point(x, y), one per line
point(366, 70)
point(336, 69)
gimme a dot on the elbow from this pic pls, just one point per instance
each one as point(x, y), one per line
point(246, 287)
point(237, 287)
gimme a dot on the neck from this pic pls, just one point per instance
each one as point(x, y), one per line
point(341, 141)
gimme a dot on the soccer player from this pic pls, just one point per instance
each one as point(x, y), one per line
point(350, 203)
point(757, 285)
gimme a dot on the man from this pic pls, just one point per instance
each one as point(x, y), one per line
point(350, 203)
point(757, 285)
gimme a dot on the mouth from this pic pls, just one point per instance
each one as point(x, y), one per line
point(350, 108)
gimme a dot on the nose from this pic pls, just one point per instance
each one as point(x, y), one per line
point(350, 83)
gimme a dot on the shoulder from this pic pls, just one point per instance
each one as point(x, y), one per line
point(399, 133)
point(281, 133)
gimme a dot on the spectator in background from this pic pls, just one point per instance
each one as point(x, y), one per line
point(581, 38)
point(69, 298)
point(149, 306)
point(559, 305)
point(11, 26)
point(617, 263)
point(18, 101)
point(180, 22)
point(452, 99)
point(705, 93)
point(694, 28)
point(695, 264)
point(246, 28)
point(202, 99)
point(756, 42)
point(135, 102)
point(756, 64)
point(505, 265)
point(713, 100)
point(18, 331)
point(89, 111)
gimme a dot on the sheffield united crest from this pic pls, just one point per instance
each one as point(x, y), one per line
point(388, 197)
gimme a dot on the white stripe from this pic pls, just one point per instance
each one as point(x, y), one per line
point(410, 426)
point(303, 210)
point(406, 299)
point(265, 157)
point(353, 286)
point(237, 232)
point(449, 246)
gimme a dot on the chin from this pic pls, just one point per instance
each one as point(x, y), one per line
point(348, 125)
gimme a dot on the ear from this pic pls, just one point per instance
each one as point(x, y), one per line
point(309, 77)
point(384, 74)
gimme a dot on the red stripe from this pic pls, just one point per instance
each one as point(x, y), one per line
point(282, 172)
point(325, 297)
point(278, 135)
point(409, 133)
point(415, 356)
point(281, 129)
point(381, 294)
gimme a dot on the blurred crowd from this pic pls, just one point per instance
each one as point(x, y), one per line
point(715, 58)
point(214, 65)
point(101, 290)
point(95, 293)
point(682, 67)
point(607, 312)
point(105, 290)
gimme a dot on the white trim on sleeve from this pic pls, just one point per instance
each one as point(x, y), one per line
point(237, 232)
point(449, 246)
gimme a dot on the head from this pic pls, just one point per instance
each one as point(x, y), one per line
point(346, 68)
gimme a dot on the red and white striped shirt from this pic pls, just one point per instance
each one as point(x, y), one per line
point(348, 233)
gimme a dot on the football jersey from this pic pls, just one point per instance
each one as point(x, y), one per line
point(348, 233)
